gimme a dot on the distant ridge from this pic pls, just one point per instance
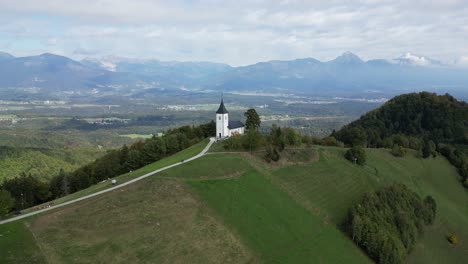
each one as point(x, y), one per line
point(346, 75)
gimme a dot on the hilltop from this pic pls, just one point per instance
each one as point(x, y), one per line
point(426, 122)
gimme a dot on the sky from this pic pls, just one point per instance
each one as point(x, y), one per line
point(236, 32)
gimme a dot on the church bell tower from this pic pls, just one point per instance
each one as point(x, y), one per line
point(222, 121)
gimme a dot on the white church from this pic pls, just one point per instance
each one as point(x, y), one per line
point(225, 127)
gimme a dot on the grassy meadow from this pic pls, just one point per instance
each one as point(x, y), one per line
point(236, 208)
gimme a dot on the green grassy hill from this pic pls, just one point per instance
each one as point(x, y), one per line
point(235, 208)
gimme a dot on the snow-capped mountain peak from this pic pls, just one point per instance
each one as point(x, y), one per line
point(412, 59)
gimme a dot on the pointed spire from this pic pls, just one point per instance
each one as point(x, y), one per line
point(222, 108)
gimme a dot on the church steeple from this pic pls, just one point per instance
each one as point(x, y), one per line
point(222, 109)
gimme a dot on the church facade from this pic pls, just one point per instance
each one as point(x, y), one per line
point(224, 126)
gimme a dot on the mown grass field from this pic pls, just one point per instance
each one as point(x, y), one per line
point(273, 224)
point(17, 244)
point(236, 208)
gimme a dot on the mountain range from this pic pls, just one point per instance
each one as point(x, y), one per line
point(346, 75)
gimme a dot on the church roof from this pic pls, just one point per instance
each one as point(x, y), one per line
point(222, 108)
point(235, 124)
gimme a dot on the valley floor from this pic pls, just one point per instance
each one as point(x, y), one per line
point(235, 208)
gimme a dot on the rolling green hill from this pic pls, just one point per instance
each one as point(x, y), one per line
point(236, 208)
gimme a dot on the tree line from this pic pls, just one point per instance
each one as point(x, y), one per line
point(387, 223)
point(26, 191)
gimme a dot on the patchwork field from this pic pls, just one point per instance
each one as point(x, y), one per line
point(235, 208)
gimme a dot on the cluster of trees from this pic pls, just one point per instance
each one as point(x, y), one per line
point(421, 121)
point(28, 191)
point(386, 223)
point(356, 155)
point(273, 142)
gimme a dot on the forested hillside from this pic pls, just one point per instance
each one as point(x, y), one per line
point(42, 161)
point(423, 121)
point(440, 118)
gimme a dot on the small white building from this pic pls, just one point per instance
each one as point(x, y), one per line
point(225, 127)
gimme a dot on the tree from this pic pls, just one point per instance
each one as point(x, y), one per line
point(431, 208)
point(272, 154)
point(6, 202)
point(356, 154)
point(277, 138)
point(27, 190)
point(429, 149)
point(354, 136)
point(252, 139)
point(252, 119)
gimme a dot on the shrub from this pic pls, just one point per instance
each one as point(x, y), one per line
point(329, 141)
point(356, 154)
point(272, 154)
point(398, 151)
point(233, 143)
point(453, 239)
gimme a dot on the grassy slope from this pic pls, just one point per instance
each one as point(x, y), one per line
point(253, 201)
point(154, 221)
point(273, 224)
point(332, 185)
point(17, 245)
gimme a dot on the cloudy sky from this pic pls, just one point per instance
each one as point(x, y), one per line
point(237, 32)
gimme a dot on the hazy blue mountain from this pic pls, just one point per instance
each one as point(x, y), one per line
point(47, 71)
point(5, 56)
point(182, 73)
point(346, 75)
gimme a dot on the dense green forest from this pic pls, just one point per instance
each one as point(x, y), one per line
point(423, 121)
point(440, 118)
point(387, 223)
point(44, 162)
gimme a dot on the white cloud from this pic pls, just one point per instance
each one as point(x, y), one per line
point(463, 61)
point(237, 32)
point(52, 41)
